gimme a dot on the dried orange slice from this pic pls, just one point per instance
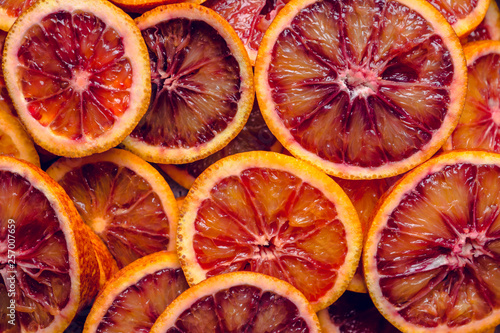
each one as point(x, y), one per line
point(47, 267)
point(361, 89)
point(239, 302)
point(489, 28)
point(78, 75)
point(137, 295)
point(273, 214)
point(10, 11)
point(479, 125)
point(432, 258)
point(14, 141)
point(254, 136)
point(123, 199)
point(202, 82)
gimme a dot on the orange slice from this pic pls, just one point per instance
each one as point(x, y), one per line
point(361, 89)
point(254, 136)
point(4, 94)
point(202, 82)
point(123, 199)
point(141, 6)
point(47, 267)
point(273, 214)
point(78, 75)
point(432, 258)
point(479, 125)
point(489, 28)
point(10, 11)
point(137, 295)
point(238, 302)
point(14, 141)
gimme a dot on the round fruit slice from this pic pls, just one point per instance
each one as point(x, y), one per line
point(137, 295)
point(249, 18)
point(361, 89)
point(273, 214)
point(479, 125)
point(10, 11)
point(78, 75)
point(14, 141)
point(47, 266)
point(202, 85)
point(463, 15)
point(351, 313)
point(239, 302)
point(489, 28)
point(123, 199)
point(432, 256)
point(254, 136)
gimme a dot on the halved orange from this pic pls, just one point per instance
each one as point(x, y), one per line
point(479, 125)
point(14, 141)
point(361, 89)
point(78, 75)
point(489, 28)
point(123, 199)
point(273, 214)
point(10, 11)
point(202, 85)
point(47, 266)
point(432, 255)
point(239, 302)
point(254, 136)
point(137, 295)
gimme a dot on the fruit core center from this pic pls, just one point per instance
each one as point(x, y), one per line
point(80, 80)
point(99, 224)
point(467, 247)
point(358, 82)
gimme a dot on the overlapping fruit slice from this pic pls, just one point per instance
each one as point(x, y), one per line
point(142, 6)
point(479, 125)
point(137, 295)
point(432, 258)
point(361, 89)
point(489, 28)
point(273, 214)
point(202, 85)
point(4, 94)
point(254, 136)
point(239, 302)
point(123, 199)
point(47, 266)
point(78, 75)
point(10, 11)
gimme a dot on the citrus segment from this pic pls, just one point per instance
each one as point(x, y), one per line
point(272, 214)
point(489, 28)
point(123, 199)
point(202, 88)
point(366, 94)
point(237, 302)
point(254, 136)
point(479, 125)
point(431, 259)
point(10, 11)
point(137, 295)
point(47, 267)
point(78, 73)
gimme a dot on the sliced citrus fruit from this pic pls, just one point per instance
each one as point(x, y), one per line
point(10, 11)
point(351, 313)
point(47, 267)
point(137, 295)
point(123, 199)
point(249, 18)
point(479, 125)
point(239, 302)
point(489, 28)
point(361, 89)
point(273, 214)
point(14, 141)
point(4, 94)
point(202, 85)
point(78, 75)
point(432, 258)
point(141, 6)
point(254, 136)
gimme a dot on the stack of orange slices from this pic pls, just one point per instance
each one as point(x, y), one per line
point(249, 166)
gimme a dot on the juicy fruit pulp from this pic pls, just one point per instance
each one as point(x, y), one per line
point(376, 90)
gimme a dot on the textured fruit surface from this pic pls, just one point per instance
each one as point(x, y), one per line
point(489, 28)
point(10, 11)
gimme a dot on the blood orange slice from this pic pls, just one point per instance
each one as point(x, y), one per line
point(10, 11)
point(78, 75)
point(361, 89)
point(432, 258)
point(202, 83)
point(273, 214)
point(137, 295)
point(489, 28)
point(239, 302)
point(123, 199)
point(47, 267)
point(142, 6)
point(4, 94)
point(254, 136)
point(479, 125)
